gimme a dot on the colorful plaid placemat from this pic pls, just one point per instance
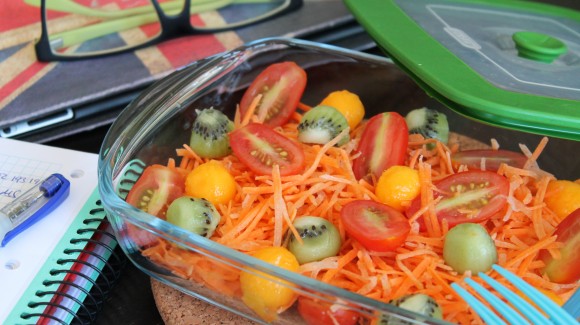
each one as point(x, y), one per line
point(30, 89)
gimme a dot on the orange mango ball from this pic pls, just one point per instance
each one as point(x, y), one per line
point(211, 181)
point(563, 197)
point(259, 292)
point(398, 186)
point(347, 103)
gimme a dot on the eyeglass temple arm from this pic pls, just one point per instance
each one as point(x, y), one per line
point(83, 34)
point(75, 8)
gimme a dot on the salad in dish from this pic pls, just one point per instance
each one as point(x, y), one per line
point(379, 207)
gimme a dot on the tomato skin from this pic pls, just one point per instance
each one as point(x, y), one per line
point(259, 147)
point(449, 207)
point(567, 268)
point(377, 226)
point(161, 184)
point(493, 159)
point(322, 313)
point(279, 84)
point(383, 144)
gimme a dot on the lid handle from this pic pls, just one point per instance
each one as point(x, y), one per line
point(538, 47)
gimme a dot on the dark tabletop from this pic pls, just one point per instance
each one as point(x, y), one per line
point(131, 300)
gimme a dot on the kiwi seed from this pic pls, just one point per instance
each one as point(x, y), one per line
point(321, 124)
point(209, 134)
point(197, 215)
point(428, 122)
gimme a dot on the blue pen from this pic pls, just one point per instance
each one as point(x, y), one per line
point(32, 206)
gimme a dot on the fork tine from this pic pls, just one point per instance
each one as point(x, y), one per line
point(523, 306)
point(572, 306)
point(557, 314)
point(509, 314)
point(488, 316)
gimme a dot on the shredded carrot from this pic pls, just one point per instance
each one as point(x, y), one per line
point(251, 110)
point(537, 152)
point(304, 107)
point(264, 207)
point(431, 222)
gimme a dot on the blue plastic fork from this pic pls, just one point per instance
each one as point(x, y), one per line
point(572, 306)
point(557, 315)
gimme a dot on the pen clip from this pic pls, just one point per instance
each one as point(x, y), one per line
point(55, 196)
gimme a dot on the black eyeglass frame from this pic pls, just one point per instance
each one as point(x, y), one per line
point(173, 26)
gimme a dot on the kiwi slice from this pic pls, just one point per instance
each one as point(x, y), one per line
point(469, 247)
point(322, 124)
point(209, 134)
point(428, 122)
point(419, 303)
point(194, 214)
point(320, 239)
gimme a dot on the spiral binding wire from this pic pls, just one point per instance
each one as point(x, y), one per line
point(88, 308)
point(96, 225)
point(132, 172)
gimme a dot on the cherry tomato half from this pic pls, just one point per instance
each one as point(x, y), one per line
point(154, 191)
point(470, 196)
point(566, 269)
point(377, 226)
point(323, 313)
point(383, 144)
point(493, 159)
point(281, 86)
point(259, 147)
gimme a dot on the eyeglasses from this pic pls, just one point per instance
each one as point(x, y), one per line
point(82, 29)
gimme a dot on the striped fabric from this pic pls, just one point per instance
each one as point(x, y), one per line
point(29, 88)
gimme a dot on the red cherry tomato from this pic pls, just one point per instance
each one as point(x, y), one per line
point(323, 313)
point(493, 159)
point(281, 85)
point(566, 269)
point(377, 226)
point(383, 144)
point(259, 147)
point(154, 191)
point(470, 196)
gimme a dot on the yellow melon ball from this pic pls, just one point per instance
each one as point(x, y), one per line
point(211, 181)
point(563, 197)
point(260, 292)
point(349, 104)
point(398, 186)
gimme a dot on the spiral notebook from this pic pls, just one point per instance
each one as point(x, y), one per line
point(60, 269)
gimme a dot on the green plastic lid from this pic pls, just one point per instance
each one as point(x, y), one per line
point(513, 64)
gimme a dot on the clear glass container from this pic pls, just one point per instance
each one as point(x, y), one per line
point(159, 121)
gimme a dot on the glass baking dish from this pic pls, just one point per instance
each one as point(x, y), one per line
point(159, 121)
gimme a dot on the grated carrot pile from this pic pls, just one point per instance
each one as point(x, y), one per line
point(264, 207)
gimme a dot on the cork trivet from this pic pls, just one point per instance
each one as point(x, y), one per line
point(177, 308)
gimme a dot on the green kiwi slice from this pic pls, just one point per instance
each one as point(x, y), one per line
point(469, 247)
point(209, 134)
point(194, 214)
point(419, 303)
point(320, 239)
point(428, 122)
point(322, 124)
